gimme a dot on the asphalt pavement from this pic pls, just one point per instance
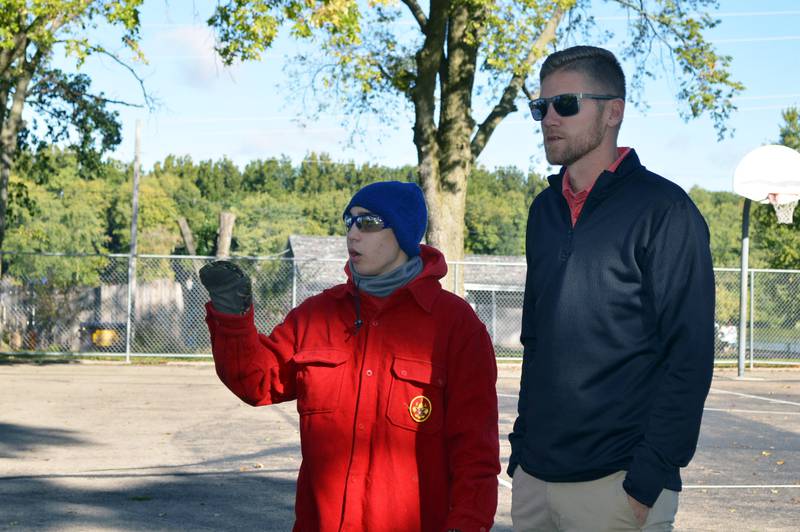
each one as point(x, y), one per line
point(107, 446)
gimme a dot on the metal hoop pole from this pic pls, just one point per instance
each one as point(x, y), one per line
point(743, 284)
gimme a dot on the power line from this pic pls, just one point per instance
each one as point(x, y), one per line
point(756, 39)
point(478, 111)
point(732, 14)
point(757, 14)
point(728, 14)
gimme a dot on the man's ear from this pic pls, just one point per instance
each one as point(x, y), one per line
point(616, 112)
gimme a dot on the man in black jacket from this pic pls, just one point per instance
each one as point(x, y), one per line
point(618, 319)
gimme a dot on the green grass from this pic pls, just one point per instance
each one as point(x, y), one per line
point(75, 358)
point(774, 334)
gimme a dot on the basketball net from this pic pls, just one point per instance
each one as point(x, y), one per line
point(784, 205)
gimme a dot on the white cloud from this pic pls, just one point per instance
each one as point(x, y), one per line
point(191, 53)
point(297, 142)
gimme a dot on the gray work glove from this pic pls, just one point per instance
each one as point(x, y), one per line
point(228, 286)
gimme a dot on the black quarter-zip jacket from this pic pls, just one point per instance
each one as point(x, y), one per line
point(618, 334)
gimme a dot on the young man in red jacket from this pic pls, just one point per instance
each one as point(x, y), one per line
point(394, 379)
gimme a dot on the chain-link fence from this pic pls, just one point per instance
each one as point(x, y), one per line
point(69, 304)
point(772, 331)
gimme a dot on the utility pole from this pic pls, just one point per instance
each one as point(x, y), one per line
point(132, 256)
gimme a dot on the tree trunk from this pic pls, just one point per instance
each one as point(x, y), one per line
point(447, 151)
point(226, 220)
point(446, 199)
point(188, 240)
point(444, 150)
point(8, 148)
point(6, 160)
point(186, 233)
point(11, 122)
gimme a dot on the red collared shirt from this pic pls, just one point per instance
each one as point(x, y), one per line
point(576, 200)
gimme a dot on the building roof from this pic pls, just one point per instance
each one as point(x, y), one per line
point(494, 272)
point(321, 259)
point(318, 247)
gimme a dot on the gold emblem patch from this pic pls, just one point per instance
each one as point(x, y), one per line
point(420, 408)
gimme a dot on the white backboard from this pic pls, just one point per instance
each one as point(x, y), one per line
point(770, 169)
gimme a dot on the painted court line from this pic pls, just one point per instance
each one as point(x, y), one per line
point(740, 411)
point(507, 484)
point(741, 486)
point(713, 390)
point(716, 390)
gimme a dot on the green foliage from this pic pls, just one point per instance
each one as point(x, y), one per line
point(326, 210)
point(67, 113)
point(272, 176)
point(64, 214)
point(68, 21)
point(727, 297)
point(366, 60)
point(158, 231)
point(61, 213)
point(779, 243)
point(707, 85)
point(497, 210)
point(318, 173)
point(29, 33)
point(723, 214)
point(51, 202)
point(220, 181)
point(63, 108)
point(179, 178)
point(247, 28)
point(790, 130)
point(264, 223)
point(778, 303)
point(55, 209)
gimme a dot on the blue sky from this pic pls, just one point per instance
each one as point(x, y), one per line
point(251, 111)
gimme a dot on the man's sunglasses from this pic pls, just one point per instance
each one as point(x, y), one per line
point(366, 223)
point(564, 104)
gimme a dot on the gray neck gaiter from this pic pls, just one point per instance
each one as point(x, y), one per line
point(383, 285)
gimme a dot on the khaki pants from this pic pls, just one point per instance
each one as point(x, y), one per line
point(596, 505)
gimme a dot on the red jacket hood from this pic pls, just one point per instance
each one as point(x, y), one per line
point(424, 286)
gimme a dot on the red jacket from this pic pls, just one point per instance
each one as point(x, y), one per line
point(398, 419)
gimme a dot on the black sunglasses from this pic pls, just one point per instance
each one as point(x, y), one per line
point(366, 223)
point(564, 104)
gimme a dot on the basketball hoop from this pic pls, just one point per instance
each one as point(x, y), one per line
point(784, 205)
point(768, 174)
point(771, 174)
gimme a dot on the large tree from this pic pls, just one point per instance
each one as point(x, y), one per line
point(789, 134)
point(779, 244)
point(439, 56)
point(723, 214)
point(62, 107)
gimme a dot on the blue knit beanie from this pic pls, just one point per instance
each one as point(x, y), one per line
point(401, 205)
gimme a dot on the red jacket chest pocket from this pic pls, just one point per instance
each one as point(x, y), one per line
point(319, 377)
point(416, 397)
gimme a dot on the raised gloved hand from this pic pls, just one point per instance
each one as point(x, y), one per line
point(228, 286)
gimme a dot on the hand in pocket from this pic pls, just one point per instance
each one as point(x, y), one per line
point(640, 511)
